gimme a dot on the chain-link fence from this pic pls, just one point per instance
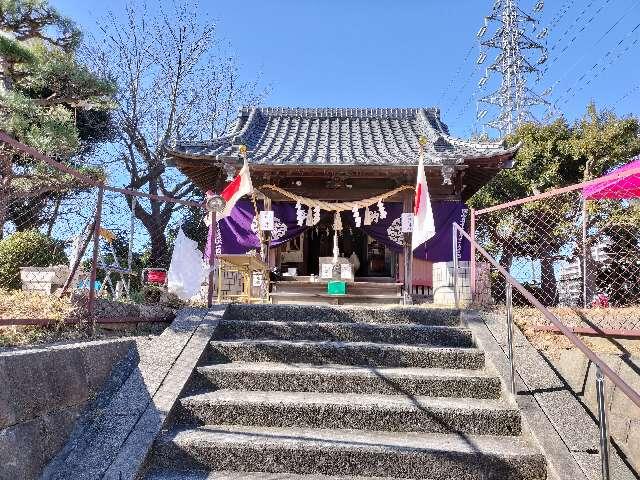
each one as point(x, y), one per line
point(576, 249)
point(74, 250)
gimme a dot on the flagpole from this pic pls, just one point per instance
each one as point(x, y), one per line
point(408, 260)
point(212, 256)
point(421, 143)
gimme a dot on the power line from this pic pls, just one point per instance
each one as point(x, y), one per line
point(604, 66)
point(446, 90)
point(559, 53)
point(631, 92)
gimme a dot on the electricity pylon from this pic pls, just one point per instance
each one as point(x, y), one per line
point(514, 47)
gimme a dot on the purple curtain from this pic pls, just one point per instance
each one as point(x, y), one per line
point(439, 248)
point(236, 235)
point(436, 249)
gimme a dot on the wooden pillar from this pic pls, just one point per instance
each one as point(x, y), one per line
point(408, 253)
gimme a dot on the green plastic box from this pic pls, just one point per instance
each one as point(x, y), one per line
point(336, 287)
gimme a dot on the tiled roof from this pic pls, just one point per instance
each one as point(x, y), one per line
point(339, 136)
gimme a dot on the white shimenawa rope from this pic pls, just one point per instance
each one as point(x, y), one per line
point(338, 206)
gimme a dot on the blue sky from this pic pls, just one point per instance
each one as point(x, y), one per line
point(405, 53)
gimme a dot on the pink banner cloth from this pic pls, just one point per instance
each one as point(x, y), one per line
point(616, 188)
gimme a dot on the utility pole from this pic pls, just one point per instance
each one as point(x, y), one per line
point(514, 47)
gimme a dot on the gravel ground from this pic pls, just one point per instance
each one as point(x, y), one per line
point(552, 343)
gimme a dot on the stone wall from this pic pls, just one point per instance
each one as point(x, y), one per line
point(623, 415)
point(42, 393)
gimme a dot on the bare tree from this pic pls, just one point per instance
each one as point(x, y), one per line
point(175, 80)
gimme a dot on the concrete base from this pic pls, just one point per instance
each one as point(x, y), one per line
point(443, 281)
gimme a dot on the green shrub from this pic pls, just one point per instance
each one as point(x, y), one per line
point(29, 248)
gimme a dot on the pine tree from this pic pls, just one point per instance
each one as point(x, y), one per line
point(48, 100)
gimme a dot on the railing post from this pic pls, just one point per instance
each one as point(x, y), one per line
point(509, 302)
point(602, 423)
point(585, 300)
point(454, 250)
point(94, 259)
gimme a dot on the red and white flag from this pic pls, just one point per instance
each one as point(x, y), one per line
point(239, 186)
point(423, 225)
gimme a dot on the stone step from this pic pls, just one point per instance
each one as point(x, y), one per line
point(349, 452)
point(347, 332)
point(205, 475)
point(350, 299)
point(356, 288)
point(396, 413)
point(345, 353)
point(362, 314)
point(269, 376)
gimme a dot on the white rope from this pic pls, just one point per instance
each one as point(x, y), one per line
point(338, 206)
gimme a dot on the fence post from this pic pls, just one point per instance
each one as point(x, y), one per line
point(584, 253)
point(602, 424)
point(509, 302)
point(94, 259)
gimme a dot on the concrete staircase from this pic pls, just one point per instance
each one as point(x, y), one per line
point(297, 392)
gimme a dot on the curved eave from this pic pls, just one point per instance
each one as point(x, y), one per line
point(441, 159)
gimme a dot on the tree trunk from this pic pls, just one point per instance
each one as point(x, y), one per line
point(3, 211)
point(155, 223)
point(548, 281)
point(506, 259)
point(159, 249)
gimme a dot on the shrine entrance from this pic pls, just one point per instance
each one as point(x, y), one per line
point(373, 258)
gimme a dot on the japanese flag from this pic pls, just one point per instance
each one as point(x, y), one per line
point(423, 225)
point(239, 186)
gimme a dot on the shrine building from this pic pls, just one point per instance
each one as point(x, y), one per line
point(335, 155)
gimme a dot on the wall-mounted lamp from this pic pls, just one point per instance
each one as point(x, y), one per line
point(230, 170)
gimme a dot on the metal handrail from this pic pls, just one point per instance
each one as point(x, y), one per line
point(602, 369)
point(573, 338)
point(559, 191)
point(4, 138)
